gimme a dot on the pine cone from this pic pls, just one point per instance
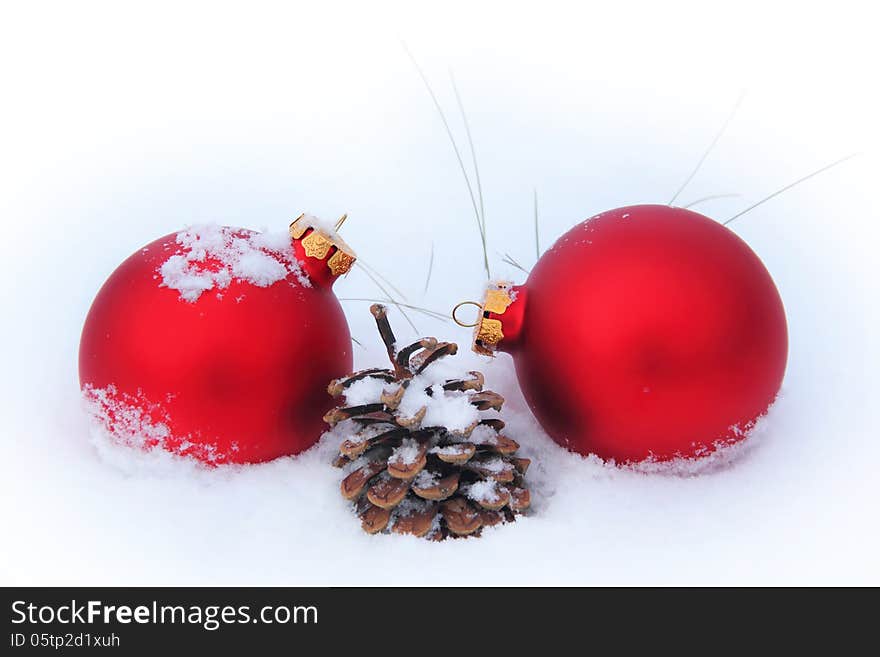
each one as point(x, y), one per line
point(421, 455)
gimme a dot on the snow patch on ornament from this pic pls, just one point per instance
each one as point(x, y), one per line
point(720, 455)
point(212, 256)
point(133, 422)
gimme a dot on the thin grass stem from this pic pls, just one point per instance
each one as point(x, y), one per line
point(790, 185)
point(713, 197)
point(508, 259)
point(425, 311)
point(390, 298)
point(430, 270)
point(379, 275)
point(706, 153)
point(467, 130)
point(537, 236)
point(452, 141)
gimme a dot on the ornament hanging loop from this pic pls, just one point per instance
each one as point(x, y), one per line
point(340, 221)
point(466, 303)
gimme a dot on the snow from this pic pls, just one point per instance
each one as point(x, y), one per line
point(126, 420)
point(365, 391)
point(483, 435)
point(264, 136)
point(410, 505)
point(425, 479)
point(450, 409)
point(212, 256)
point(483, 491)
point(495, 465)
point(406, 454)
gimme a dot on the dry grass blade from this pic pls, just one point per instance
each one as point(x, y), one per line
point(711, 197)
point(430, 269)
point(458, 157)
point(790, 185)
point(508, 259)
point(434, 314)
point(706, 153)
point(391, 298)
point(378, 274)
point(467, 130)
point(537, 237)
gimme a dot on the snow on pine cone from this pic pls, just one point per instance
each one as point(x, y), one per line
point(422, 456)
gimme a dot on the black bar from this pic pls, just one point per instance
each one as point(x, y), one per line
point(160, 621)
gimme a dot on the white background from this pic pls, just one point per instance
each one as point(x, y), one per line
point(120, 123)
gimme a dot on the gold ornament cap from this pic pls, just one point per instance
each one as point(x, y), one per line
point(494, 323)
point(318, 241)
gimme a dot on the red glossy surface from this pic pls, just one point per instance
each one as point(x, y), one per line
point(241, 378)
point(648, 331)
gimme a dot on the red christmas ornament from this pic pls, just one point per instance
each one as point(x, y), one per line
point(217, 343)
point(644, 332)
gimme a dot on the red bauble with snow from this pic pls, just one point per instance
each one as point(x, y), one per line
point(644, 332)
point(217, 343)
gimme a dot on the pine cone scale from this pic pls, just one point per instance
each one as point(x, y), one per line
point(374, 519)
point(353, 485)
point(388, 493)
point(439, 491)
